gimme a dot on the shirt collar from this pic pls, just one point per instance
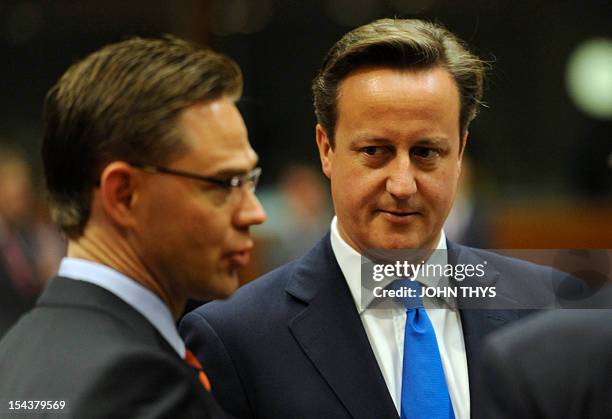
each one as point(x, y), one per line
point(137, 296)
point(350, 262)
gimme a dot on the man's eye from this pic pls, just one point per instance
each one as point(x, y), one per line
point(425, 153)
point(215, 187)
point(370, 150)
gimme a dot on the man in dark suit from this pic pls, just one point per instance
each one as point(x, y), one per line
point(151, 176)
point(393, 101)
point(554, 365)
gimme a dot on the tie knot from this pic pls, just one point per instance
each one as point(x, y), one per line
point(408, 293)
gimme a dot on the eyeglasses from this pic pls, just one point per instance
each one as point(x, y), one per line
point(233, 185)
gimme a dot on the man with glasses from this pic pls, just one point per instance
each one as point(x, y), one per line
point(151, 176)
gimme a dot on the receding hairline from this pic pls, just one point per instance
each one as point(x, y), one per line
point(403, 44)
point(399, 70)
point(191, 112)
point(189, 136)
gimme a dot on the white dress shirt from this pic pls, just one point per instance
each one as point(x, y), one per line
point(137, 296)
point(385, 330)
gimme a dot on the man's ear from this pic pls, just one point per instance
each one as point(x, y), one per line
point(326, 152)
point(118, 183)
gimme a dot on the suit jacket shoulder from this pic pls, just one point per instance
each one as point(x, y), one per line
point(520, 285)
point(83, 345)
point(553, 365)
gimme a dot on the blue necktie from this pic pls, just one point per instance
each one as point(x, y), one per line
point(424, 390)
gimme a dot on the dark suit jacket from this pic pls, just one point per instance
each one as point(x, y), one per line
point(83, 345)
point(554, 365)
point(291, 344)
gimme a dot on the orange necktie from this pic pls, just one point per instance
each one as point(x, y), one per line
point(193, 361)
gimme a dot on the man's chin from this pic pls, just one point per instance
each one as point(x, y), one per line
point(396, 237)
point(396, 241)
point(227, 286)
point(403, 245)
point(220, 288)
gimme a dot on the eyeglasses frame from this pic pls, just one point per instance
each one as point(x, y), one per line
point(236, 181)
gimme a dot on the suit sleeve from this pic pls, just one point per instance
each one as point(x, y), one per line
point(143, 384)
point(500, 391)
point(206, 344)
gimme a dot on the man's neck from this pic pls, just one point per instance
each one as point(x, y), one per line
point(113, 250)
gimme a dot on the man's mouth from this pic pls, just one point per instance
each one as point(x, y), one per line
point(401, 217)
point(239, 259)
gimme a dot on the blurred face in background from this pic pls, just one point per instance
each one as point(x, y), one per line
point(15, 191)
point(397, 156)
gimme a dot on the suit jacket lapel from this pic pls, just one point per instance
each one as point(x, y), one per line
point(477, 322)
point(331, 334)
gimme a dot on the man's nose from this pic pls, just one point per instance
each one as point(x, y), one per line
point(250, 212)
point(401, 181)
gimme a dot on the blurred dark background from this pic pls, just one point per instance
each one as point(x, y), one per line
point(531, 140)
point(539, 169)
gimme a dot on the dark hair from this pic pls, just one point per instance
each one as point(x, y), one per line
point(121, 103)
point(402, 44)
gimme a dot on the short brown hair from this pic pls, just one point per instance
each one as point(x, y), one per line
point(121, 103)
point(402, 44)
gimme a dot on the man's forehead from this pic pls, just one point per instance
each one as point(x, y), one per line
point(216, 123)
point(365, 88)
point(217, 114)
point(216, 138)
point(370, 74)
point(237, 164)
point(209, 107)
point(222, 158)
